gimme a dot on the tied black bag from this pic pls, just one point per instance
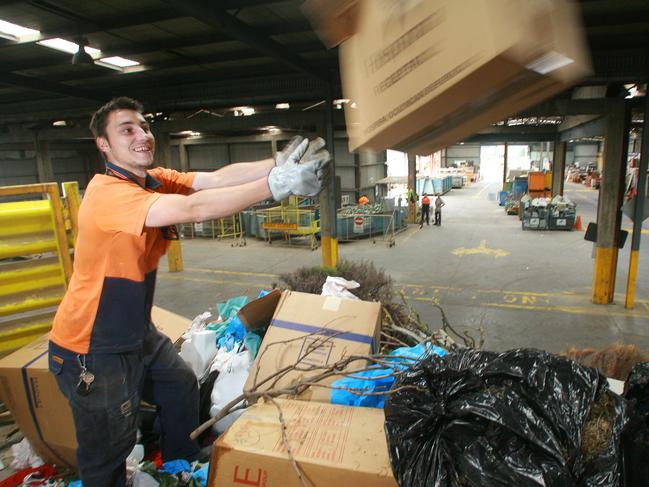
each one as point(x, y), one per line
point(517, 418)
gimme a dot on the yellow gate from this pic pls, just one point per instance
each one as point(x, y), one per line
point(35, 262)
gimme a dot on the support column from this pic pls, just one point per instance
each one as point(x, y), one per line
point(163, 149)
point(505, 168)
point(328, 230)
point(638, 211)
point(558, 167)
point(43, 161)
point(610, 193)
point(182, 155)
point(412, 188)
point(358, 184)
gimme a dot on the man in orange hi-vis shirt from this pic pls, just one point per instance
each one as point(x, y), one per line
point(105, 352)
point(425, 211)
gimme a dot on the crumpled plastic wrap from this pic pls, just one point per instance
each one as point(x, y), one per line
point(339, 287)
point(516, 418)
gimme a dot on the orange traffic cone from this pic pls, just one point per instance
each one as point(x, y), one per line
point(578, 223)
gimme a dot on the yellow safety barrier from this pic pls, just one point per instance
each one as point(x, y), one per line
point(290, 222)
point(218, 229)
point(35, 261)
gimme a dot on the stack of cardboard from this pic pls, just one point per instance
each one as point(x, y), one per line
point(39, 408)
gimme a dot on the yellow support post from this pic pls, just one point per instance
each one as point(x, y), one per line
point(605, 258)
point(175, 256)
point(629, 302)
point(329, 251)
point(73, 201)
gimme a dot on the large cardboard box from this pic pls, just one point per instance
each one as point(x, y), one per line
point(426, 73)
point(342, 327)
point(41, 411)
point(333, 446)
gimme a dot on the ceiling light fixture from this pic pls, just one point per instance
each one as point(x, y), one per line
point(282, 106)
point(81, 56)
point(243, 111)
point(15, 32)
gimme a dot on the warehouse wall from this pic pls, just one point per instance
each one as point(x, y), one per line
point(372, 167)
point(469, 151)
point(17, 167)
point(68, 164)
point(583, 153)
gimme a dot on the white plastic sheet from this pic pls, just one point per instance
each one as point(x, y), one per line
point(24, 456)
point(233, 373)
point(199, 351)
point(339, 287)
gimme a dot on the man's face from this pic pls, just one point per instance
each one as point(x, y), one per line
point(129, 142)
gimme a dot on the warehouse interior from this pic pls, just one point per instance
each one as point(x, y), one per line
point(233, 81)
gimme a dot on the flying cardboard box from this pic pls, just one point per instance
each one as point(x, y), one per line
point(312, 330)
point(39, 408)
point(332, 445)
point(423, 74)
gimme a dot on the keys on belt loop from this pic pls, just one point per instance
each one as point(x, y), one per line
point(86, 378)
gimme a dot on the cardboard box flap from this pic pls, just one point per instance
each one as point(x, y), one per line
point(171, 324)
point(334, 20)
point(257, 314)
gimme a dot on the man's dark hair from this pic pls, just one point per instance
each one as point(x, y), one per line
point(99, 119)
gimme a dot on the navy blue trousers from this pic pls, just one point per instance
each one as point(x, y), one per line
point(106, 418)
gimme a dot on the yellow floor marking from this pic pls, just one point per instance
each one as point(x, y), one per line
point(644, 231)
point(481, 249)
point(234, 273)
point(572, 309)
point(477, 195)
point(407, 237)
point(213, 281)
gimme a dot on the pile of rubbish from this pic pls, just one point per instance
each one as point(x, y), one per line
point(375, 209)
point(141, 471)
point(454, 415)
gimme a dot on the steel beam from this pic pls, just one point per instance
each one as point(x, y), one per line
point(558, 167)
point(594, 128)
point(208, 12)
point(45, 86)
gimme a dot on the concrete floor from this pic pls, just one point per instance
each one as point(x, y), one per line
point(526, 288)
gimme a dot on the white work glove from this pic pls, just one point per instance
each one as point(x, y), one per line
point(291, 147)
point(303, 174)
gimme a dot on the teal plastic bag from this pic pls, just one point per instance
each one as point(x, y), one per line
point(368, 388)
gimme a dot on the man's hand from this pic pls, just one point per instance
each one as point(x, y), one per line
point(304, 177)
point(293, 150)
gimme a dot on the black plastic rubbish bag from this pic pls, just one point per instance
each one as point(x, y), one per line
point(635, 438)
point(515, 418)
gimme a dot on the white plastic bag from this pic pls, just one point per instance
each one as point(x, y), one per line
point(227, 386)
point(338, 287)
point(199, 351)
point(24, 456)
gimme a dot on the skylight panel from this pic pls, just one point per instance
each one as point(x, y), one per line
point(67, 46)
point(119, 61)
point(16, 32)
